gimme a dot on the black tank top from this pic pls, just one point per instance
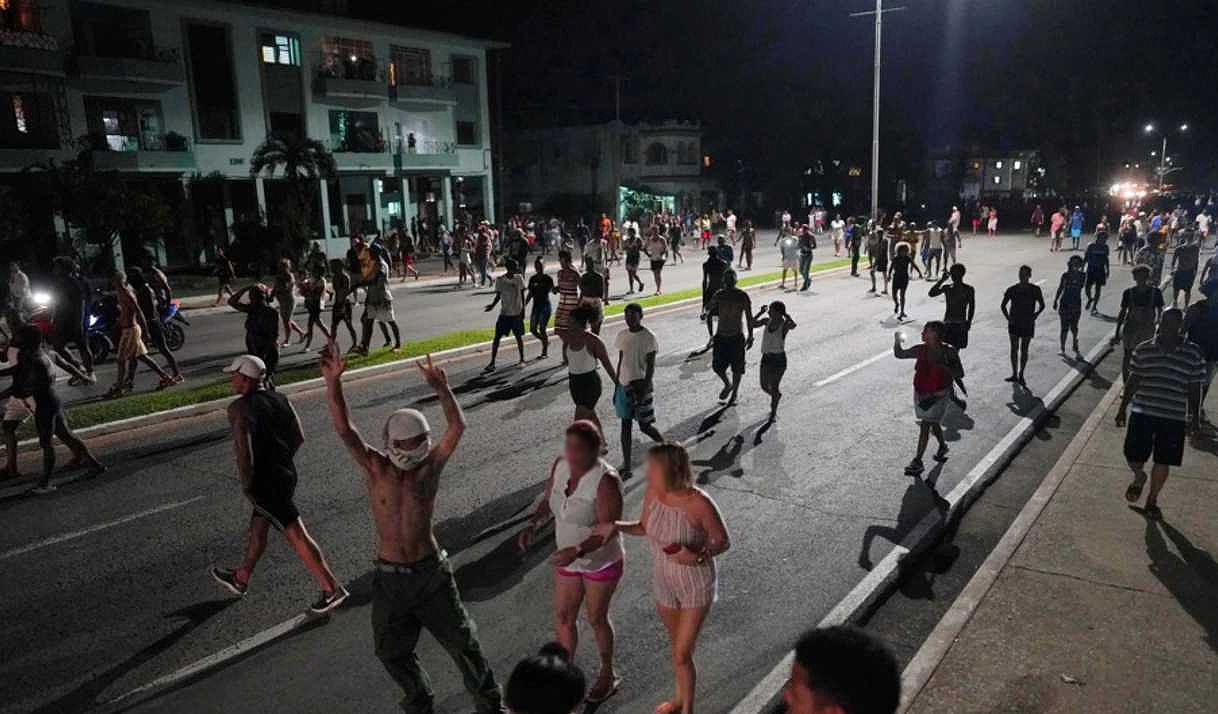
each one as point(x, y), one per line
point(271, 435)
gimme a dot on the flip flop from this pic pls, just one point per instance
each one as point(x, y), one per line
point(613, 687)
point(1134, 492)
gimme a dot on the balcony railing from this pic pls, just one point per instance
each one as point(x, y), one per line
point(345, 78)
point(21, 17)
point(134, 66)
point(355, 144)
point(334, 66)
point(424, 89)
point(424, 153)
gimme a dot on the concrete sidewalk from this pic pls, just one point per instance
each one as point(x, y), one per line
point(1086, 605)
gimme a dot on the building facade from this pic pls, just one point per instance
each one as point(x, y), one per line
point(1009, 175)
point(177, 91)
point(613, 168)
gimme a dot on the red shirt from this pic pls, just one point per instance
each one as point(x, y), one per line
point(929, 376)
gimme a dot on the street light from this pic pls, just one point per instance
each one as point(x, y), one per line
point(1162, 154)
point(875, 100)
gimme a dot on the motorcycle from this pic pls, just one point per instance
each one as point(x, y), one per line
point(101, 326)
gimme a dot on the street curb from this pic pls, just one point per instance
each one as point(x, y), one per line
point(194, 410)
point(885, 574)
point(924, 663)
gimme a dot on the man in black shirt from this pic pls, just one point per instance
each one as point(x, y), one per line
point(1021, 305)
point(712, 280)
point(958, 313)
point(266, 436)
point(541, 286)
point(261, 328)
point(71, 313)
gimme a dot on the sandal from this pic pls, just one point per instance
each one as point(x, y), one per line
point(1153, 512)
point(596, 697)
point(914, 468)
point(1134, 492)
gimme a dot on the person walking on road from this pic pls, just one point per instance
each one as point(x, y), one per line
point(34, 379)
point(807, 244)
point(266, 435)
point(713, 271)
point(1164, 388)
point(958, 312)
point(413, 587)
point(633, 247)
point(1141, 306)
point(1068, 301)
point(510, 297)
point(284, 294)
point(842, 670)
point(568, 297)
point(788, 250)
point(902, 263)
point(131, 348)
point(748, 243)
point(378, 308)
point(686, 533)
point(585, 352)
point(72, 300)
point(735, 311)
point(314, 291)
point(774, 328)
point(582, 492)
point(1022, 303)
point(146, 300)
point(1057, 224)
point(1201, 326)
point(261, 328)
point(937, 365)
point(343, 294)
point(854, 244)
point(657, 254)
point(223, 269)
point(541, 286)
point(1098, 267)
point(634, 399)
point(1077, 219)
point(877, 256)
point(1038, 220)
point(1184, 263)
point(991, 227)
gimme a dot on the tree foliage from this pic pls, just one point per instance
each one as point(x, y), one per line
point(303, 163)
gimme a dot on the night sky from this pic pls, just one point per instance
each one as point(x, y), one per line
point(781, 83)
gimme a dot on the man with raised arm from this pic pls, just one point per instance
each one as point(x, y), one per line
point(414, 586)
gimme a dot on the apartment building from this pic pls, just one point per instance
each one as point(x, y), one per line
point(611, 168)
point(183, 90)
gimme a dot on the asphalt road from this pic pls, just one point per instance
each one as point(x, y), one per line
point(426, 308)
point(113, 591)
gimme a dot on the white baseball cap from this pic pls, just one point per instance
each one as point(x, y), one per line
point(249, 366)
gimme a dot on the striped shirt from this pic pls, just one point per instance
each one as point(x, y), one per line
point(1164, 378)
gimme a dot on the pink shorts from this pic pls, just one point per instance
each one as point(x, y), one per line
point(604, 575)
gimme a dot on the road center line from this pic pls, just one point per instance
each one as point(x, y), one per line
point(852, 369)
point(93, 529)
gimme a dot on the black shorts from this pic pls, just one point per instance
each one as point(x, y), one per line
point(1147, 436)
point(879, 265)
point(956, 334)
point(728, 353)
point(585, 389)
point(657, 265)
point(1096, 277)
point(1020, 328)
point(277, 506)
point(513, 324)
point(1182, 280)
point(773, 366)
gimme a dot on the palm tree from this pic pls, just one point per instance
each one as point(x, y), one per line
point(304, 162)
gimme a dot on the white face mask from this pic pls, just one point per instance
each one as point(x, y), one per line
point(408, 459)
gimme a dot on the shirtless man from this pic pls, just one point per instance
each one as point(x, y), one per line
point(735, 311)
point(414, 586)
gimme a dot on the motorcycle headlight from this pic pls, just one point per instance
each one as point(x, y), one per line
point(41, 299)
point(92, 320)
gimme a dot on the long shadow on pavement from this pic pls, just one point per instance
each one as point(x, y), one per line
point(1191, 576)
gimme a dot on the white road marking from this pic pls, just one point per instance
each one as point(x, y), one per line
point(884, 573)
point(93, 529)
point(852, 369)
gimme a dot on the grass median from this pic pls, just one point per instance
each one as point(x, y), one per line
point(144, 403)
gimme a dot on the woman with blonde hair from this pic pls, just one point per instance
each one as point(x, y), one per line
point(686, 532)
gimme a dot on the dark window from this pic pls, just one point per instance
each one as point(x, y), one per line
point(113, 31)
point(20, 16)
point(211, 77)
point(412, 66)
point(467, 133)
point(657, 153)
point(288, 126)
point(27, 121)
point(465, 70)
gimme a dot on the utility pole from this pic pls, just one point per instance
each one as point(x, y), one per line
point(875, 111)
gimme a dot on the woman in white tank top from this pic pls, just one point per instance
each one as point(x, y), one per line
point(584, 351)
point(583, 491)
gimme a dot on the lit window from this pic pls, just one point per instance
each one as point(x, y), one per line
point(280, 49)
point(19, 114)
point(997, 179)
point(997, 164)
point(1016, 166)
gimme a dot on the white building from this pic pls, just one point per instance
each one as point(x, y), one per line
point(605, 166)
point(1013, 174)
point(189, 89)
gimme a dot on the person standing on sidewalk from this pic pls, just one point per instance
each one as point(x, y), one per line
point(937, 365)
point(582, 492)
point(266, 436)
point(414, 587)
point(1022, 303)
point(686, 533)
point(1164, 387)
point(634, 399)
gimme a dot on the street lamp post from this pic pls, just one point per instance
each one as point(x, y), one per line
point(1163, 170)
point(875, 101)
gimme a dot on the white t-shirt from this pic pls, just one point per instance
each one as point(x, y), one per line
point(635, 346)
point(731, 223)
point(509, 288)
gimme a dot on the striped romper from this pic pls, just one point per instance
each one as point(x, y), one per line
point(676, 585)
